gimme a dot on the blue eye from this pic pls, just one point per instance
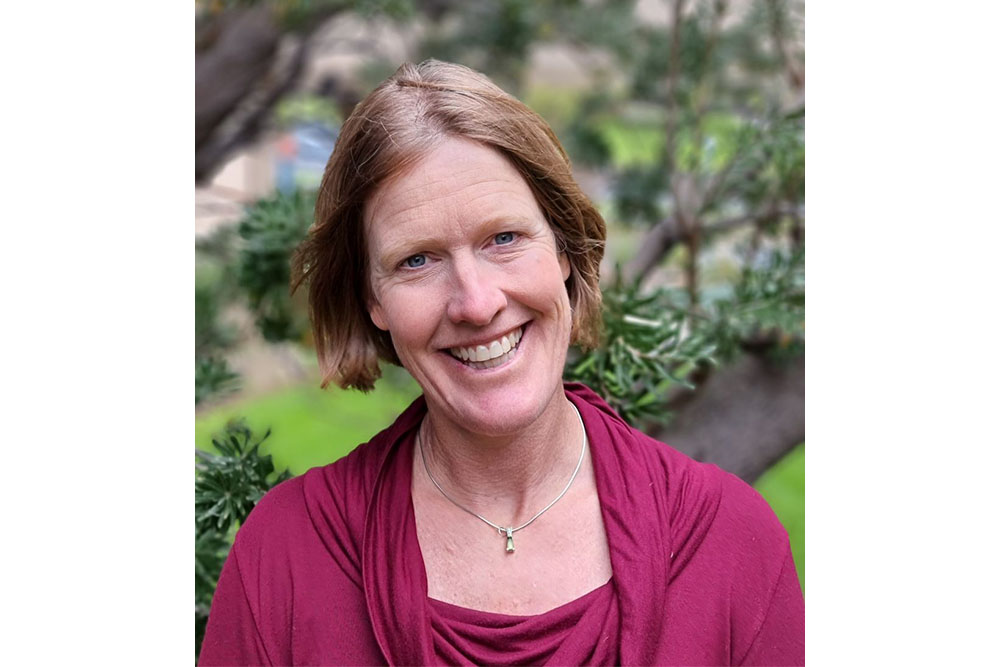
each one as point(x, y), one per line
point(416, 261)
point(504, 238)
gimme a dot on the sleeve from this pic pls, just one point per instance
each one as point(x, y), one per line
point(232, 636)
point(780, 640)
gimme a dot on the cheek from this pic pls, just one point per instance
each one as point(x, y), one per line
point(410, 323)
point(545, 286)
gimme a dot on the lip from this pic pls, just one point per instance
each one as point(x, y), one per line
point(496, 369)
point(483, 340)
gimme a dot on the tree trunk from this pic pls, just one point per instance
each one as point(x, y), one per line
point(239, 54)
point(245, 63)
point(744, 418)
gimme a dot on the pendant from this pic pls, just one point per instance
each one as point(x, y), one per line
point(510, 540)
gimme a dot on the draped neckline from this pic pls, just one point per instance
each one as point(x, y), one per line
point(478, 615)
point(395, 579)
point(583, 631)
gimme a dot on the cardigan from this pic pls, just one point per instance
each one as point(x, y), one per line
point(327, 569)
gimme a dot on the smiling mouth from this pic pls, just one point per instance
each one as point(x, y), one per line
point(492, 354)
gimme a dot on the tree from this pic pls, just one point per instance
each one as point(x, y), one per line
point(694, 122)
point(717, 92)
point(248, 55)
point(715, 96)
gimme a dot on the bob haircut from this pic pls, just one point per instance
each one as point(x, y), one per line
point(403, 119)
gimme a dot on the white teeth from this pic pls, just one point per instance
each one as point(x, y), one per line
point(489, 355)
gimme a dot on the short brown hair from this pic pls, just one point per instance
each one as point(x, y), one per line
point(398, 123)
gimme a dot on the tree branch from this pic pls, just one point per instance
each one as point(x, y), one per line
point(238, 54)
point(670, 128)
point(241, 73)
point(663, 236)
point(796, 77)
point(248, 122)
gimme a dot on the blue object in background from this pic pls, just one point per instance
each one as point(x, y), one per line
point(302, 153)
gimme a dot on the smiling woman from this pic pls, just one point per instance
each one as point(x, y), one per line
point(488, 270)
point(504, 517)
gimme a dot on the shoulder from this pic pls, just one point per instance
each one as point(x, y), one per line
point(345, 487)
point(325, 506)
point(696, 499)
point(728, 556)
point(279, 515)
point(725, 538)
point(704, 499)
point(323, 503)
point(697, 482)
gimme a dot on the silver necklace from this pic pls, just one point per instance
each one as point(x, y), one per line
point(509, 531)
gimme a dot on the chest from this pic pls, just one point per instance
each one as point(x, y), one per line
point(560, 557)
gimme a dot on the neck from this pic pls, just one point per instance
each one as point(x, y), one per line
point(506, 478)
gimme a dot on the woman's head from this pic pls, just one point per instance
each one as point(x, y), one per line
point(402, 121)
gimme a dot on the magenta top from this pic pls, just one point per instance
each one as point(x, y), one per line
point(327, 569)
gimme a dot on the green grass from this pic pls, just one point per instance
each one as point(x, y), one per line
point(784, 487)
point(310, 426)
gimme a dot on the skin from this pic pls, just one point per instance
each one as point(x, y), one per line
point(470, 288)
point(461, 254)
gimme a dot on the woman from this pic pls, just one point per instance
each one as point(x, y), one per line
point(504, 517)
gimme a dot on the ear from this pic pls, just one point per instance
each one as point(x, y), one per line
point(564, 265)
point(377, 314)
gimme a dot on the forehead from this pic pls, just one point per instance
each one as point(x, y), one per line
point(457, 184)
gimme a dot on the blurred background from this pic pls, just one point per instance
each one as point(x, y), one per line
point(685, 124)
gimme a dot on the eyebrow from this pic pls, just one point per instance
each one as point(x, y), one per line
point(395, 251)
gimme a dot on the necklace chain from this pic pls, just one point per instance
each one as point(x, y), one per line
point(508, 532)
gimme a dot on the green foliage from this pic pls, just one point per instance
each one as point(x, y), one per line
point(584, 138)
point(228, 483)
point(767, 303)
point(270, 231)
point(693, 119)
point(494, 36)
point(210, 334)
point(305, 107)
point(713, 90)
point(213, 377)
point(214, 288)
point(231, 481)
point(316, 427)
point(654, 341)
point(647, 348)
point(210, 551)
point(394, 9)
point(768, 163)
point(247, 264)
point(302, 15)
point(638, 194)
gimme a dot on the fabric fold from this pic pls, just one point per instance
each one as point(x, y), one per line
point(330, 569)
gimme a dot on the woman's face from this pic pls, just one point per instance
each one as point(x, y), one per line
point(464, 268)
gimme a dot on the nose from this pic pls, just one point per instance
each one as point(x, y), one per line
point(477, 294)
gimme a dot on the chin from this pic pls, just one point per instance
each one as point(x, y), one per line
point(509, 413)
point(500, 400)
